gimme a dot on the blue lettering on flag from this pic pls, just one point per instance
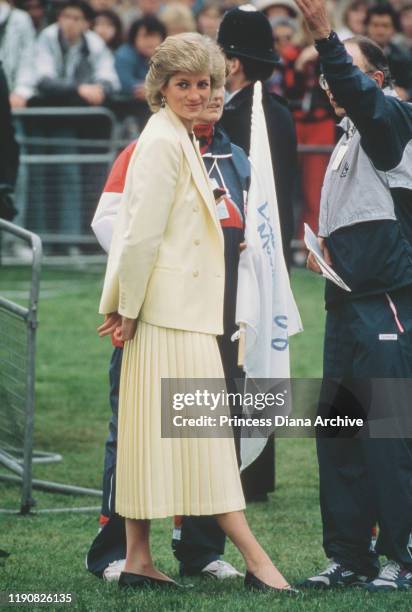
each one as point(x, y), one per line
point(261, 210)
point(280, 344)
point(266, 233)
point(265, 238)
point(281, 321)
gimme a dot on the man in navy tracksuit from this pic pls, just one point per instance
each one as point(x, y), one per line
point(365, 231)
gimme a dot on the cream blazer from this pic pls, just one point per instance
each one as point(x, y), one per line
point(166, 260)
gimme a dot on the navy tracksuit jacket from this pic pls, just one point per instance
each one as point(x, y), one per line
point(366, 220)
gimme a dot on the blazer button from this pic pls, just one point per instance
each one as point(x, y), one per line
point(196, 242)
point(195, 273)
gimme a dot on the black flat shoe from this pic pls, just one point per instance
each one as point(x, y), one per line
point(254, 584)
point(138, 581)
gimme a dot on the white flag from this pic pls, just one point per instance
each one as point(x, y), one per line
point(265, 303)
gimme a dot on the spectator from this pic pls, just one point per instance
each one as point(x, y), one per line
point(283, 78)
point(189, 3)
point(208, 19)
point(404, 38)
point(17, 37)
point(73, 64)
point(284, 32)
point(103, 5)
point(108, 26)
point(381, 25)
point(37, 9)
point(137, 9)
point(397, 4)
point(73, 67)
point(132, 58)
point(9, 153)
point(178, 19)
point(229, 4)
point(314, 120)
point(353, 19)
point(273, 8)
point(148, 7)
point(315, 126)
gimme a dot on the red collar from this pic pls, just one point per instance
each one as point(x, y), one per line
point(204, 134)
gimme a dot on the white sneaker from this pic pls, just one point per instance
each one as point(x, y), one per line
point(221, 570)
point(393, 576)
point(113, 570)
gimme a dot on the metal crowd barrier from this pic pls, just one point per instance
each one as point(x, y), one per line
point(18, 327)
point(65, 156)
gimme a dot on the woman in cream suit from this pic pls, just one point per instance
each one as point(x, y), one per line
point(165, 278)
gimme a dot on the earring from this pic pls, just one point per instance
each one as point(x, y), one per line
point(163, 101)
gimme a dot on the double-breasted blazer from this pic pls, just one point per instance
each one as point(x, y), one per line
point(166, 260)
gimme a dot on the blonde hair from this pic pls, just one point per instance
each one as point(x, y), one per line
point(189, 52)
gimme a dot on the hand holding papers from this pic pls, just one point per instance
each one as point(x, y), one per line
point(313, 247)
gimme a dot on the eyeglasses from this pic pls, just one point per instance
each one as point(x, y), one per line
point(325, 85)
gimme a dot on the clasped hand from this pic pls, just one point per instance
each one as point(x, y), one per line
point(122, 328)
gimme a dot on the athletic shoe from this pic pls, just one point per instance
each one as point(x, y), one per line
point(221, 570)
point(335, 575)
point(113, 570)
point(392, 577)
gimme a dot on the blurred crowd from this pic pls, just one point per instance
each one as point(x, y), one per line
point(78, 51)
point(96, 52)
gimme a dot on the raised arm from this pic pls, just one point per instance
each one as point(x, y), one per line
point(378, 117)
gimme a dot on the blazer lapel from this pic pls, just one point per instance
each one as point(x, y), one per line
point(195, 161)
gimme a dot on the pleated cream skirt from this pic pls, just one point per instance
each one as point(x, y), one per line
point(158, 477)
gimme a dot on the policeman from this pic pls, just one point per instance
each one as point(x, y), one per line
point(246, 38)
point(365, 232)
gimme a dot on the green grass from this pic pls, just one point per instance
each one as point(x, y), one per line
point(47, 551)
